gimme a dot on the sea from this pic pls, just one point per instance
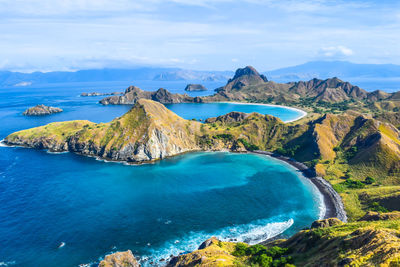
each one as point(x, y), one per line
point(63, 209)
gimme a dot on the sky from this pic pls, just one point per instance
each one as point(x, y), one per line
point(48, 35)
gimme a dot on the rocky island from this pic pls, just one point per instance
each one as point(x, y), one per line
point(40, 110)
point(133, 93)
point(101, 94)
point(195, 87)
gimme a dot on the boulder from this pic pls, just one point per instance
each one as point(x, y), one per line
point(326, 223)
point(120, 259)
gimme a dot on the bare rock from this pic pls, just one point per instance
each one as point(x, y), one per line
point(326, 223)
point(41, 110)
point(120, 259)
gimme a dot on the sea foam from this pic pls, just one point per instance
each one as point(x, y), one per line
point(2, 144)
point(252, 233)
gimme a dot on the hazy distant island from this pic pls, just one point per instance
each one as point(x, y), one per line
point(41, 110)
point(349, 144)
point(195, 87)
point(101, 94)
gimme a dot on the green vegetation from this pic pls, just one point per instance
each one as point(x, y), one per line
point(262, 256)
point(247, 145)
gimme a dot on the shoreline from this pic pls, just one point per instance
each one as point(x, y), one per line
point(303, 113)
point(333, 202)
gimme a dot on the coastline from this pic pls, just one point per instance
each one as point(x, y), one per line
point(332, 200)
point(303, 113)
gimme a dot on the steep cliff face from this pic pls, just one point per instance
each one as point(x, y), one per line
point(133, 93)
point(147, 132)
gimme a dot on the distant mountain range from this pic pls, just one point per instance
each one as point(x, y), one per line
point(328, 69)
point(315, 69)
point(8, 78)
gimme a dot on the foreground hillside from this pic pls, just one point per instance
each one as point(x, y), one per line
point(328, 243)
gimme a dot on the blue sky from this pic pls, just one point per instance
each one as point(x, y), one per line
point(200, 34)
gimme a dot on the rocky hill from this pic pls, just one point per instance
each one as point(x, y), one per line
point(248, 84)
point(133, 93)
point(148, 131)
point(40, 110)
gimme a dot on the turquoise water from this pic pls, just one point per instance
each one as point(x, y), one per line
point(155, 210)
point(203, 111)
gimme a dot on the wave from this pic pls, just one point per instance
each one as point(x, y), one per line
point(54, 152)
point(2, 144)
point(8, 263)
point(252, 233)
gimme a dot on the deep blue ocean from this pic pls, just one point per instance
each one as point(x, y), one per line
point(155, 210)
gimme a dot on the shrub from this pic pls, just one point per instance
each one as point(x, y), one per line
point(375, 206)
point(369, 180)
point(259, 255)
point(353, 184)
point(337, 148)
point(247, 145)
point(240, 249)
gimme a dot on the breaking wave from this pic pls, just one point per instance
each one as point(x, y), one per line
point(252, 233)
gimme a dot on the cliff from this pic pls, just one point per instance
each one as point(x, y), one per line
point(148, 131)
point(40, 110)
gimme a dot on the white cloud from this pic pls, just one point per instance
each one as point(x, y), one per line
point(336, 51)
point(202, 34)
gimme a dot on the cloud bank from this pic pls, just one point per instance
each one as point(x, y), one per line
point(202, 34)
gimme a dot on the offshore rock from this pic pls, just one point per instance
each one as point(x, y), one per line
point(41, 110)
point(120, 259)
point(195, 87)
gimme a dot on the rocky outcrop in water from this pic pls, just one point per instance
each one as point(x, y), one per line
point(120, 259)
point(40, 110)
point(195, 87)
point(101, 94)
